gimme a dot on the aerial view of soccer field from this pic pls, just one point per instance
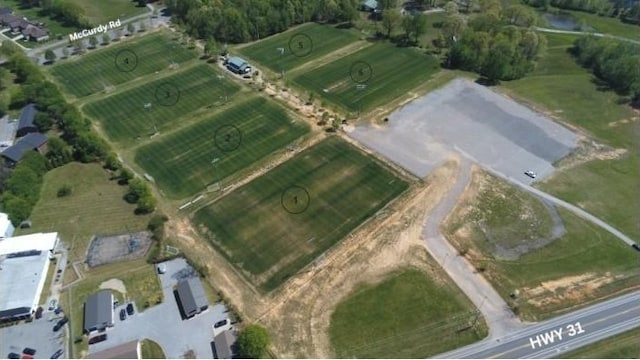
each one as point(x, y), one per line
point(370, 77)
point(181, 163)
point(95, 71)
point(278, 223)
point(160, 103)
point(288, 50)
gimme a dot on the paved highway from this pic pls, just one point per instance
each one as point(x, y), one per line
point(565, 333)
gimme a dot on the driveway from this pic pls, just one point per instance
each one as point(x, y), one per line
point(37, 335)
point(163, 323)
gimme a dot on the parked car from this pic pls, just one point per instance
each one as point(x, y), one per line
point(58, 310)
point(13, 355)
point(221, 323)
point(52, 304)
point(130, 309)
point(123, 314)
point(97, 339)
point(530, 174)
point(57, 354)
point(60, 324)
point(39, 311)
point(29, 351)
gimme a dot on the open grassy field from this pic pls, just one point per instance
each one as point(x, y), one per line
point(408, 315)
point(139, 278)
point(181, 162)
point(123, 116)
point(622, 346)
point(390, 72)
point(317, 41)
point(271, 229)
point(100, 12)
point(607, 25)
point(95, 205)
point(96, 70)
point(564, 89)
point(584, 263)
point(151, 350)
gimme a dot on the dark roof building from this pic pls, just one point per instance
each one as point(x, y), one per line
point(35, 33)
point(238, 65)
point(226, 345)
point(31, 142)
point(26, 123)
point(98, 311)
point(5, 11)
point(128, 350)
point(191, 296)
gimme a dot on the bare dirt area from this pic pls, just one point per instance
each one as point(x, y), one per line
point(114, 284)
point(588, 150)
point(574, 289)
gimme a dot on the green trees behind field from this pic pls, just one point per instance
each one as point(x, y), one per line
point(615, 62)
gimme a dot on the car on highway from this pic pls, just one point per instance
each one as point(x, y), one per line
point(221, 323)
point(530, 174)
point(130, 309)
point(97, 339)
point(56, 354)
point(123, 314)
point(52, 304)
point(29, 351)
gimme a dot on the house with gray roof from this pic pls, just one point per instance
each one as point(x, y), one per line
point(192, 298)
point(31, 142)
point(225, 345)
point(238, 65)
point(26, 123)
point(98, 311)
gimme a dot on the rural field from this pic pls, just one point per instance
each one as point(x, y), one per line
point(317, 41)
point(277, 224)
point(553, 271)
point(563, 88)
point(181, 161)
point(407, 315)
point(622, 346)
point(96, 70)
point(125, 115)
point(95, 206)
point(386, 71)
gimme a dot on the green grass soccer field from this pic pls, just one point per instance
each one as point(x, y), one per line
point(278, 223)
point(293, 48)
point(160, 103)
point(95, 71)
point(181, 163)
point(385, 72)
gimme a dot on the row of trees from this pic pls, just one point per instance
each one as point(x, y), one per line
point(615, 62)
point(237, 21)
point(497, 43)
point(21, 189)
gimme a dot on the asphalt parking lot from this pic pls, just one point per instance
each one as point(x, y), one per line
point(471, 120)
point(163, 323)
point(37, 335)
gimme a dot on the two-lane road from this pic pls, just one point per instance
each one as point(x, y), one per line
point(565, 333)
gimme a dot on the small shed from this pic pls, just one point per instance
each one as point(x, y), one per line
point(238, 65)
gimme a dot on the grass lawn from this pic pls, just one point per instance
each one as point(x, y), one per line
point(622, 346)
point(607, 25)
point(584, 249)
point(408, 315)
point(271, 229)
point(92, 72)
point(562, 87)
point(317, 41)
point(181, 162)
point(123, 116)
point(393, 73)
point(101, 12)
point(96, 205)
point(139, 278)
point(151, 350)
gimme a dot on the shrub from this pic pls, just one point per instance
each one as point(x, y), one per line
point(64, 190)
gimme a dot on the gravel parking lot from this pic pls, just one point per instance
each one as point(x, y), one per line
point(163, 323)
point(473, 121)
point(37, 335)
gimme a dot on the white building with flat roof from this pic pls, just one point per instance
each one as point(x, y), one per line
point(37, 241)
point(6, 227)
point(22, 278)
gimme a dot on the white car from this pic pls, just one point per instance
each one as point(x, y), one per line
point(530, 174)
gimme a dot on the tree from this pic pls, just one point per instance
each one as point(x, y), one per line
point(111, 162)
point(390, 19)
point(253, 341)
point(146, 204)
point(137, 189)
point(106, 39)
point(451, 8)
point(453, 26)
point(210, 47)
point(130, 28)
point(125, 176)
point(93, 41)
point(49, 55)
point(519, 15)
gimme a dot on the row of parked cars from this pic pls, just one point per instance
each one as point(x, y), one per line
point(29, 353)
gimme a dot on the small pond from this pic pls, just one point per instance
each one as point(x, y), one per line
point(563, 22)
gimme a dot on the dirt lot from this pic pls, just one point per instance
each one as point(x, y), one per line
point(112, 248)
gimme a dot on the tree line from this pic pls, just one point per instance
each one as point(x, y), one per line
point(238, 21)
point(496, 43)
point(75, 141)
point(66, 12)
point(615, 62)
point(623, 9)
